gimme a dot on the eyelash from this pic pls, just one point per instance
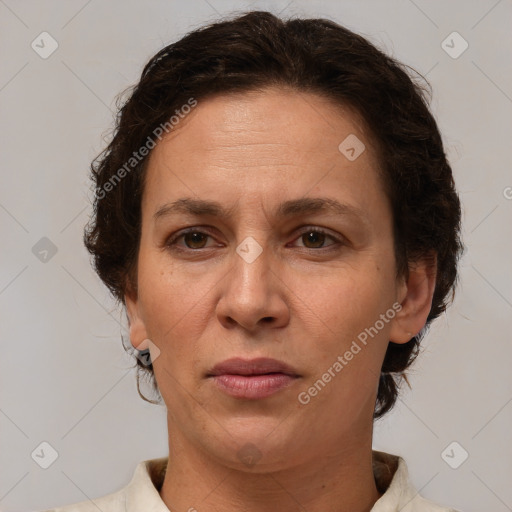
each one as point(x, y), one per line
point(172, 240)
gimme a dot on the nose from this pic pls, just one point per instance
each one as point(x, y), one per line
point(252, 294)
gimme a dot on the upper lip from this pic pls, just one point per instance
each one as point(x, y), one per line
point(259, 366)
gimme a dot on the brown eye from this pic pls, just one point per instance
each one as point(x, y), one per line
point(316, 238)
point(195, 239)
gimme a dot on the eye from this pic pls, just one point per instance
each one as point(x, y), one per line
point(193, 238)
point(314, 238)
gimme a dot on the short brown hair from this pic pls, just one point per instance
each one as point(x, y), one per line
point(257, 50)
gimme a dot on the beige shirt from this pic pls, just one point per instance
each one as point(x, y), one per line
point(142, 493)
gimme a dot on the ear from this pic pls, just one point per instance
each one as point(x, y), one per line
point(415, 296)
point(138, 335)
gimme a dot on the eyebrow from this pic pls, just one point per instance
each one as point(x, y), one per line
point(293, 207)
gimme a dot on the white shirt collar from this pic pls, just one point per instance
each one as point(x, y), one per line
point(142, 493)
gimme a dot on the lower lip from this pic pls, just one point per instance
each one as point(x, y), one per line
point(253, 386)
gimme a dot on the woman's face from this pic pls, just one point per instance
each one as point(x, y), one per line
point(289, 256)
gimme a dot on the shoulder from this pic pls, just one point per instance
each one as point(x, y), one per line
point(141, 493)
point(420, 504)
point(113, 502)
point(398, 492)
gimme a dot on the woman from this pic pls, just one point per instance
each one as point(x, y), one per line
point(277, 215)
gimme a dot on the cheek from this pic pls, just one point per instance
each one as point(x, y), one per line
point(178, 314)
point(167, 301)
point(345, 351)
point(345, 301)
point(173, 312)
point(346, 309)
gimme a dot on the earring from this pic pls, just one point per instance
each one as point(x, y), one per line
point(143, 356)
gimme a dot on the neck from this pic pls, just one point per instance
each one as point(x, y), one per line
point(341, 480)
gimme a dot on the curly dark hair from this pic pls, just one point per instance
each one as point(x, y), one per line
point(254, 51)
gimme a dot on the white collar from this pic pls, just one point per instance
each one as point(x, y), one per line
point(142, 492)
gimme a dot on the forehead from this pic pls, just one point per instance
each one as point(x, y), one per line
point(268, 141)
point(269, 116)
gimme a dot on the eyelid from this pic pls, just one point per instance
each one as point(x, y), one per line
point(171, 241)
point(338, 239)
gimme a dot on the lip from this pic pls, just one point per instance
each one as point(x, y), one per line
point(247, 367)
point(252, 379)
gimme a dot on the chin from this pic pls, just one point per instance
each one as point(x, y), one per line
point(268, 447)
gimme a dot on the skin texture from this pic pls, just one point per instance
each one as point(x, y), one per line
point(302, 301)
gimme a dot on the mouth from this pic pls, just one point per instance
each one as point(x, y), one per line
point(252, 379)
point(251, 367)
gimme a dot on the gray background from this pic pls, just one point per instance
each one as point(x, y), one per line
point(64, 376)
